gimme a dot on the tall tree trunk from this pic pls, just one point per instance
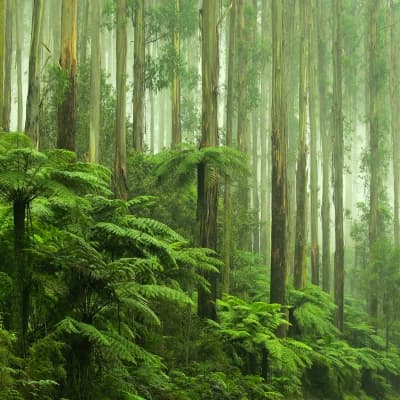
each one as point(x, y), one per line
point(207, 177)
point(7, 65)
point(120, 172)
point(279, 151)
point(312, 87)
point(66, 115)
point(33, 99)
point(337, 48)
point(2, 32)
point(325, 144)
point(84, 30)
point(95, 78)
point(138, 80)
point(255, 143)
point(18, 61)
point(376, 156)
point(255, 194)
point(242, 117)
point(176, 82)
point(301, 172)
point(264, 147)
point(395, 108)
point(228, 248)
point(291, 78)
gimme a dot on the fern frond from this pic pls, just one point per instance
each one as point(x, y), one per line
point(72, 326)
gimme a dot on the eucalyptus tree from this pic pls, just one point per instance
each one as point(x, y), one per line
point(255, 127)
point(278, 153)
point(33, 98)
point(313, 115)
point(324, 127)
point(264, 137)
point(243, 127)
point(139, 76)
point(95, 79)
point(228, 248)
point(337, 51)
point(120, 171)
point(395, 107)
point(301, 172)
point(18, 61)
point(84, 29)
point(176, 82)
point(208, 177)
point(376, 157)
point(8, 49)
point(2, 31)
point(66, 114)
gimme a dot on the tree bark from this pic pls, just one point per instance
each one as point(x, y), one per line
point(376, 157)
point(243, 119)
point(18, 61)
point(207, 177)
point(264, 147)
point(7, 65)
point(312, 87)
point(33, 99)
point(337, 48)
point(325, 144)
point(279, 151)
point(120, 172)
point(228, 248)
point(66, 115)
point(95, 78)
point(395, 107)
point(138, 80)
point(176, 82)
point(84, 31)
point(2, 32)
point(301, 172)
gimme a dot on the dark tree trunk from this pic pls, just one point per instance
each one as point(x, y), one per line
point(279, 150)
point(66, 115)
point(207, 177)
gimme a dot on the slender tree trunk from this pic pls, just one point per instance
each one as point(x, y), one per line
point(176, 82)
point(7, 65)
point(255, 195)
point(395, 108)
point(264, 140)
point(301, 172)
point(120, 172)
point(95, 78)
point(279, 151)
point(242, 117)
point(376, 157)
point(255, 143)
point(312, 87)
point(138, 81)
point(152, 122)
point(228, 248)
point(325, 144)
point(207, 186)
point(337, 48)
point(292, 132)
point(18, 61)
point(2, 34)
point(33, 99)
point(66, 115)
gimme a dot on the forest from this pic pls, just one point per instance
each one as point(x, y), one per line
point(199, 199)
